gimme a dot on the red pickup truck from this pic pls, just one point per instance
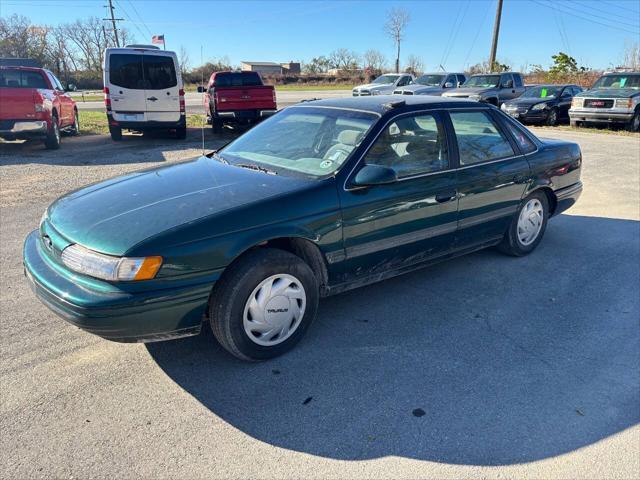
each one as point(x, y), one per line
point(33, 104)
point(237, 97)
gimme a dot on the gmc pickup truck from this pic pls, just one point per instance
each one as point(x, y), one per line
point(237, 97)
point(33, 104)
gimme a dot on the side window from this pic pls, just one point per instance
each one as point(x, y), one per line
point(525, 144)
point(517, 81)
point(479, 139)
point(504, 79)
point(55, 82)
point(159, 72)
point(125, 70)
point(461, 79)
point(411, 145)
point(576, 90)
point(451, 79)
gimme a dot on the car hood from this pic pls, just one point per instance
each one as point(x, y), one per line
point(420, 89)
point(113, 216)
point(527, 102)
point(466, 91)
point(609, 93)
point(374, 86)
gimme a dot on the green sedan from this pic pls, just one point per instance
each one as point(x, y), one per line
point(323, 197)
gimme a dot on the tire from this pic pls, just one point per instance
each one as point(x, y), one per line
point(116, 133)
point(236, 321)
point(216, 125)
point(181, 133)
point(552, 118)
point(517, 242)
point(52, 142)
point(75, 129)
point(634, 124)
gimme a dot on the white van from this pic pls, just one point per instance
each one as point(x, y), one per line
point(143, 90)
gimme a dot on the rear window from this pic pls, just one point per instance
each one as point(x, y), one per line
point(139, 72)
point(237, 79)
point(21, 79)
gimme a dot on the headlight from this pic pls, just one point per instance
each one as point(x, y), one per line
point(107, 267)
point(624, 103)
point(376, 92)
point(475, 97)
point(577, 102)
point(503, 107)
point(538, 106)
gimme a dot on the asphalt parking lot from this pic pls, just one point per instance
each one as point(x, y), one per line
point(483, 367)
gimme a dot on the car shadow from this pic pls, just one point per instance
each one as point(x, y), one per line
point(101, 150)
point(483, 360)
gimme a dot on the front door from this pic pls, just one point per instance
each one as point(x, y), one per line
point(491, 178)
point(413, 219)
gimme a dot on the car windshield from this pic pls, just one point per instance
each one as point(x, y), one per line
point(483, 81)
point(429, 80)
point(385, 79)
point(312, 141)
point(543, 91)
point(618, 81)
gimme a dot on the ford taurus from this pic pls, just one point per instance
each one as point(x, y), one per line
point(322, 197)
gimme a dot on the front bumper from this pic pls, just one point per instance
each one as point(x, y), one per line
point(567, 197)
point(111, 313)
point(23, 128)
point(529, 116)
point(600, 115)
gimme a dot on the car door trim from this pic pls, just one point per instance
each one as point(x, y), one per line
point(486, 217)
point(402, 239)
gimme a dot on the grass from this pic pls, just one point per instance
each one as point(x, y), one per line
point(95, 123)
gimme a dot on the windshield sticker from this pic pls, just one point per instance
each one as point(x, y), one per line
point(326, 164)
point(543, 93)
point(623, 80)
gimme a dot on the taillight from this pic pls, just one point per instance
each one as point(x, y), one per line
point(38, 102)
point(181, 95)
point(107, 100)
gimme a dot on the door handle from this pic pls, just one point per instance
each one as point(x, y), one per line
point(443, 197)
point(152, 99)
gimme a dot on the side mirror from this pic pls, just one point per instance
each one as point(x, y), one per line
point(71, 88)
point(201, 89)
point(508, 84)
point(374, 175)
point(448, 85)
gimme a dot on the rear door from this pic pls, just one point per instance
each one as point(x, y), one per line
point(125, 80)
point(492, 176)
point(162, 82)
point(65, 102)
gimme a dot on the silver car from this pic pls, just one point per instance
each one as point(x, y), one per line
point(494, 88)
point(432, 84)
point(384, 84)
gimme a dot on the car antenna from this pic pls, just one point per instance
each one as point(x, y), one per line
point(204, 111)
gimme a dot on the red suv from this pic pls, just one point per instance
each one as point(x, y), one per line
point(33, 104)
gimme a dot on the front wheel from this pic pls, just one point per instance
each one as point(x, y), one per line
point(527, 227)
point(634, 124)
point(263, 304)
point(552, 117)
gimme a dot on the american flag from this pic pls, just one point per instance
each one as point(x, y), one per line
point(159, 39)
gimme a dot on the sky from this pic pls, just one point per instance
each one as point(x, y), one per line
point(452, 33)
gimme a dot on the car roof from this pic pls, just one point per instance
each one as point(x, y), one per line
point(496, 73)
point(20, 67)
point(379, 103)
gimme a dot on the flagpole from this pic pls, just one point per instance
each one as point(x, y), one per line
point(164, 41)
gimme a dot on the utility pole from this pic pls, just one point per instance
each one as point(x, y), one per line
point(496, 32)
point(113, 22)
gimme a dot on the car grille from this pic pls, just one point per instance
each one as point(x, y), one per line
point(598, 103)
point(361, 93)
point(403, 92)
point(516, 109)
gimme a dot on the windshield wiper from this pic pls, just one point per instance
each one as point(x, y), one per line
point(251, 166)
point(219, 158)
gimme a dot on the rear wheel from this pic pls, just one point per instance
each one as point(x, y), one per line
point(181, 133)
point(552, 118)
point(116, 133)
point(263, 304)
point(527, 227)
point(52, 142)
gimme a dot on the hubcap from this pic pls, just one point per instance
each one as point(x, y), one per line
point(530, 222)
point(274, 310)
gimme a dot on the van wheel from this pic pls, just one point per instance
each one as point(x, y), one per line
point(527, 227)
point(263, 304)
point(181, 133)
point(52, 142)
point(116, 133)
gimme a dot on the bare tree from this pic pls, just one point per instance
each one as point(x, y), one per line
point(397, 21)
point(19, 38)
point(343, 59)
point(632, 55)
point(184, 60)
point(374, 60)
point(415, 65)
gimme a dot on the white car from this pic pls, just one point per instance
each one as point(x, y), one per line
point(143, 90)
point(384, 84)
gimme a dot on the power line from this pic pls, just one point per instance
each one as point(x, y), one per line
point(455, 35)
point(624, 9)
point(455, 21)
point(128, 17)
point(475, 39)
point(635, 25)
point(140, 17)
point(574, 14)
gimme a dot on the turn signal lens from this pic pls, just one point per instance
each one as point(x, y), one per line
point(139, 268)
